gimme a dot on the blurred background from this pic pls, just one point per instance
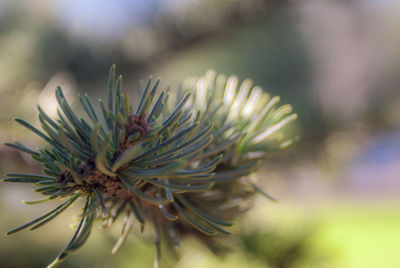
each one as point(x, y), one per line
point(336, 62)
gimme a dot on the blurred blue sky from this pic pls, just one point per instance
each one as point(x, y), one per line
point(105, 19)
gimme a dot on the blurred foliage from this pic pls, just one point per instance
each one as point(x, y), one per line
point(276, 249)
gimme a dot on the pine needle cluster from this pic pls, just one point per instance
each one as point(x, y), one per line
point(181, 161)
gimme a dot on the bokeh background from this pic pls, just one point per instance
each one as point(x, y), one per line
point(336, 62)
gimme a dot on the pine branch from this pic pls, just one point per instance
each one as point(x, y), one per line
point(177, 162)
